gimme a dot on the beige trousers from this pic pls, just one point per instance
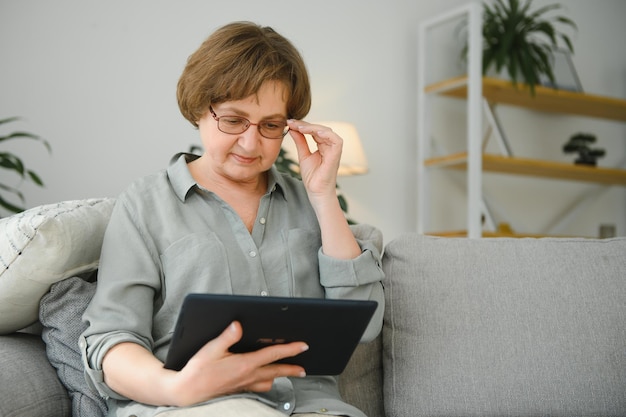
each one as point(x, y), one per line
point(235, 407)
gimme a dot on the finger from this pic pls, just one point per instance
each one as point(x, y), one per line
point(220, 345)
point(306, 127)
point(259, 386)
point(327, 137)
point(321, 134)
point(266, 376)
point(271, 354)
point(302, 146)
point(324, 137)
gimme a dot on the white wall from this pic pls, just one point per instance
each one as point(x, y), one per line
point(97, 80)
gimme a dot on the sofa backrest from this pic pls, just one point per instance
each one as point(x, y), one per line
point(504, 327)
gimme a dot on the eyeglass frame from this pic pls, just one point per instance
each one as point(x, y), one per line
point(249, 123)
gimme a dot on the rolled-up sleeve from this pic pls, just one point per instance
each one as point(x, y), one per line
point(121, 310)
point(359, 278)
point(93, 369)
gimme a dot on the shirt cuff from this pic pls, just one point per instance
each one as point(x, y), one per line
point(93, 365)
point(364, 269)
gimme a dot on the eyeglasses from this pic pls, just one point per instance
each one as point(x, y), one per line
point(234, 125)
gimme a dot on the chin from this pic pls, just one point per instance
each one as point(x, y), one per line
point(244, 173)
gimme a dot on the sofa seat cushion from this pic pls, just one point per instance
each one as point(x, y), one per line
point(28, 383)
point(44, 245)
point(505, 327)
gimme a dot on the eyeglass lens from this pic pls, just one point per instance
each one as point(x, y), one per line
point(271, 129)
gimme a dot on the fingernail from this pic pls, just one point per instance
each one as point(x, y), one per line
point(302, 374)
point(305, 348)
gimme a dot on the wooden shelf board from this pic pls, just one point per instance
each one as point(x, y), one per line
point(487, 233)
point(535, 168)
point(503, 230)
point(546, 99)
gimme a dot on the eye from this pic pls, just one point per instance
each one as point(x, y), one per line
point(274, 125)
point(233, 120)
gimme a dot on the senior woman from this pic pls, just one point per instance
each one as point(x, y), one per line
point(228, 222)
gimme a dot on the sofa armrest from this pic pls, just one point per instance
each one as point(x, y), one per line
point(505, 327)
point(361, 383)
point(30, 386)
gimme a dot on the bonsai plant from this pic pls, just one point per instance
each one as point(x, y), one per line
point(522, 40)
point(580, 143)
point(14, 164)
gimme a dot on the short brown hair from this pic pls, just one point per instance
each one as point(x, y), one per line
point(233, 63)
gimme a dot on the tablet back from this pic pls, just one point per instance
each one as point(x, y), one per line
point(331, 328)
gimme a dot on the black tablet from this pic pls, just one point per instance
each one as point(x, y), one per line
point(331, 328)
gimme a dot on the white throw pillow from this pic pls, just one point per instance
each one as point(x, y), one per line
point(44, 245)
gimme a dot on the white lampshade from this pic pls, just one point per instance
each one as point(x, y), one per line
point(353, 160)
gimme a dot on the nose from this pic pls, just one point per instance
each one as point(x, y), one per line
point(250, 138)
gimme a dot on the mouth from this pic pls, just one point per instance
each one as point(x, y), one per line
point(243, 159)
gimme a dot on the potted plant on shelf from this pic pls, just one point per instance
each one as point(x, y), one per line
point(522, 40)
point(580, 143)
point(11, 162)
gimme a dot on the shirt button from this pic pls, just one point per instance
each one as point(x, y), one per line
point(252, 254)
point(323, 410)
point(286, 406)
point(262, 220)
point(264, 294)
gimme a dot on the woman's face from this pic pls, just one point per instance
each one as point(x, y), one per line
point(245, 156)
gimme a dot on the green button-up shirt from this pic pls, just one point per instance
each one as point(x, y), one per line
point(168, 237)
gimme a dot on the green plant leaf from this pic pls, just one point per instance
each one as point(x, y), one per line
point(343, 203)
point(12, 163)
point(543, 10)
point(9, 120)
point(10, 206)
point(548, 30)
point(287, 165)
point(523, 58)
point(7, 204)
point(542, 56)
point(522, 40)
point(566, 21)
point(567, 42)
point(488, 60)
point(17, 135)
point(35, 178)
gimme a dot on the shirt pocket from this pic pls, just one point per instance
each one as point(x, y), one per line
point(302, 247)
point(196, 263)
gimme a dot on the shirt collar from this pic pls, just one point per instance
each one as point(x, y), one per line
point(276, 182)
point(182, 181)
point(179, 175)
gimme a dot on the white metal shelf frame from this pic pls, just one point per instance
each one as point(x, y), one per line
point(473, 13)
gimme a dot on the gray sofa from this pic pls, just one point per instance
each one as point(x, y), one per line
point(487, 327)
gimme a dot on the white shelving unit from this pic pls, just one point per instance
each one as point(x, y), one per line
point(480, 93)
point(473, 11)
